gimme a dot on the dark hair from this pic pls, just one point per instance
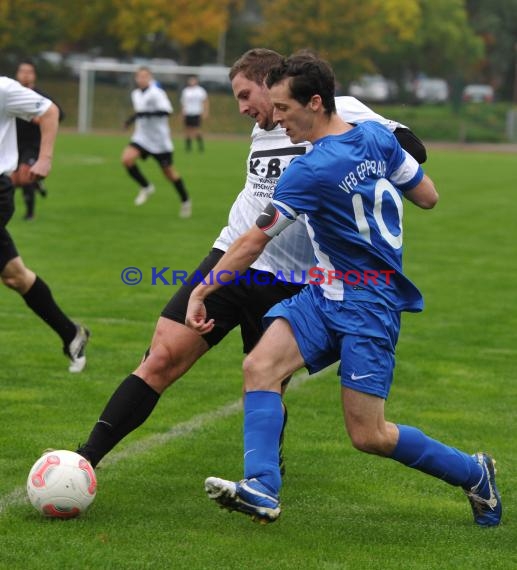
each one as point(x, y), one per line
point(308, 76)
point(255, 64)
point(26, 61)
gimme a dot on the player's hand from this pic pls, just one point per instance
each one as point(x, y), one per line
point(40, 169)
point(21, 176)
point(196, 316)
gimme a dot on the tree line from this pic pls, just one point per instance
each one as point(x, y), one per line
point(460, 40)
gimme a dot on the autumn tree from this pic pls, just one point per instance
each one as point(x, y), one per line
point(446, 43)
point(496, 23)
point(28, 27)
point(347, 33)
point(394, 36)
point(116, 26)
point(182, 22)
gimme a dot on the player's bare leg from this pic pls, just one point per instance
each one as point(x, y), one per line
point(371, 433)
point(365, 423)
point(174, 349)
point(17, 276)
point(194, 133)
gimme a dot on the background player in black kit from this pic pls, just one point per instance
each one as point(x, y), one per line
point(29, 138)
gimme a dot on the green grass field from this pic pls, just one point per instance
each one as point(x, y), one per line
point(455, 379)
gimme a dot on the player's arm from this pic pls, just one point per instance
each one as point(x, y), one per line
point(130, 120)
point(61, 115)
point(424, 194)
point(48, 124)
point(409, 177)
point(158, 113)
point(237, 259)
point(411, 143)
point(240, 255)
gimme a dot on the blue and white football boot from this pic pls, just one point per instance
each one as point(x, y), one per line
point(248, 496)
point(484, 497)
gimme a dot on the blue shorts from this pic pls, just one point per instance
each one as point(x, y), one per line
point(362, 335)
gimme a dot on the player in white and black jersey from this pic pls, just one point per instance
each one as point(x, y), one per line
point(152, 137)
point(17, 101)
point(194, 108)
point(174, 347)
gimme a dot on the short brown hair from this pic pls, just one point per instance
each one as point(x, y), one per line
point(255, 64)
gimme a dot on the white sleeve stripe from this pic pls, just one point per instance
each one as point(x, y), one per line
point(285, 209)
point(405, 172)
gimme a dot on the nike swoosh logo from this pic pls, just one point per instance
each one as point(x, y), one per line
point(492, 500)
point(354, 377)
point(264, 214)
point(249, 451)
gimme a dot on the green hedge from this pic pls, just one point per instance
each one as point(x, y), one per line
point(469, 123)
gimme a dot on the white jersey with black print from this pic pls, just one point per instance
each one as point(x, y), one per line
point(193, 98)
point(271, 152)
point(152, 132)
point(291, 252)
point(16, 101)
point(351, 110)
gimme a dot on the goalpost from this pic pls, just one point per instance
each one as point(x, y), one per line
point(215, 74)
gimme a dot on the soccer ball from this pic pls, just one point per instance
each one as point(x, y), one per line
point(61, 484)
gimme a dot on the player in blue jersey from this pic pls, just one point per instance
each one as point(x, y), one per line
point(175, 348)
point(350, 187)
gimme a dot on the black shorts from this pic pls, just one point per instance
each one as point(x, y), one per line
point(7, 248)
point(162, 158)
point(239, 303)
point(192, 120)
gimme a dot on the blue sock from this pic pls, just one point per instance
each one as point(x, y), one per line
point(418, 451)
point(263, 421)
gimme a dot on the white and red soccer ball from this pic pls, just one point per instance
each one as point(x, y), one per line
point(61, 484)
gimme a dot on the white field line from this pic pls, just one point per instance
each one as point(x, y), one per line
point(18, 495)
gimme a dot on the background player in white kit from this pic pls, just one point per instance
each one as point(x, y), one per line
point(194, 108)
point(19, 102)
point(175, 348)
point(152, 137)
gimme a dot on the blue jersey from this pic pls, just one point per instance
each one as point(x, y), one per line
point(350, 187)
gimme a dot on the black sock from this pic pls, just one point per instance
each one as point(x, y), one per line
point(129, 406)
point(188, 144)
point(39, 299)
point(29, 199)
point(136, 174)
point(200, 143)
point(180, 187)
